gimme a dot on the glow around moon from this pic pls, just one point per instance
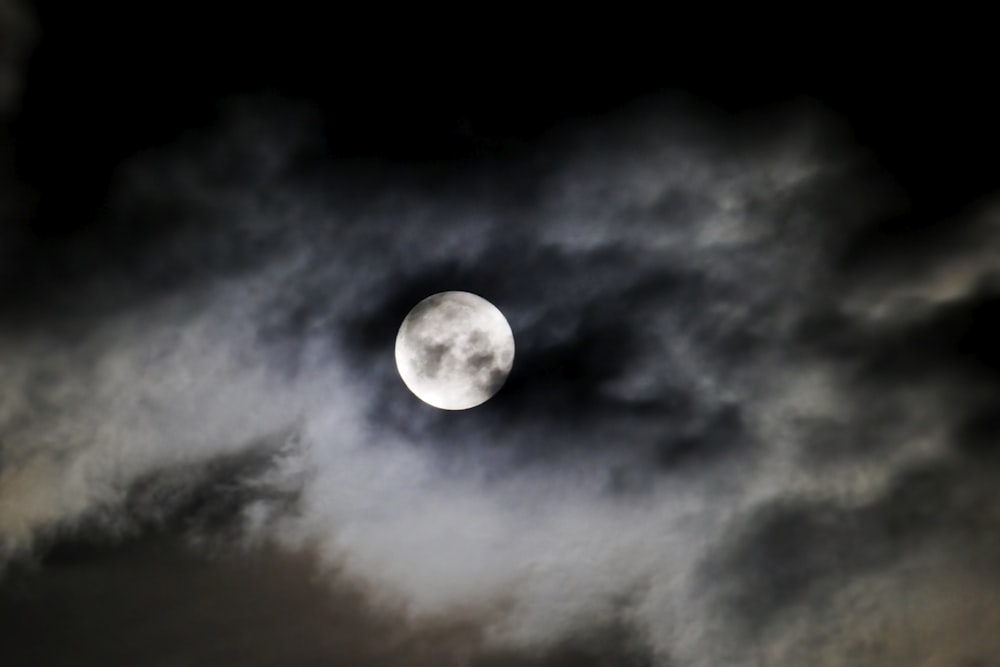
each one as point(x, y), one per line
point(454, 350)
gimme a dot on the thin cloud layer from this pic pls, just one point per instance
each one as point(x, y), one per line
point(718, 435)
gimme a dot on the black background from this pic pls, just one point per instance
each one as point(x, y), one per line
point(108, 80)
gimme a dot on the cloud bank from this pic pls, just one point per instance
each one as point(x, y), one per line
point(741, 429)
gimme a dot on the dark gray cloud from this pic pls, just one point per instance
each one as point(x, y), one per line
point(156, 602)
point(188, 591)
point(795, 560)
point(17, 34)
point(721, 433)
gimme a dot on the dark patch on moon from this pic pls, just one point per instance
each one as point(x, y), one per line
point(430, 358)
point(481, 360)
point(478, 338)
point(494, 381)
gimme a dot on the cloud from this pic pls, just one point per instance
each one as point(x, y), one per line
point(17, 33)
point(882, 580)
point(197, 609)
point(706, 434)
point(916, 264)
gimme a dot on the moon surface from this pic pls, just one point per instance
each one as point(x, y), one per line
point(454, 350)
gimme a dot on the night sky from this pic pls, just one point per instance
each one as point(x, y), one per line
point(752, 267)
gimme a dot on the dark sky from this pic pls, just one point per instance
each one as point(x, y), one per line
point(752, 267)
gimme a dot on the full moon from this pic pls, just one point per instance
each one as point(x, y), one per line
point(454, 350)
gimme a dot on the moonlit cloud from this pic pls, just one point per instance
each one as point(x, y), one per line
point(715, 436)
